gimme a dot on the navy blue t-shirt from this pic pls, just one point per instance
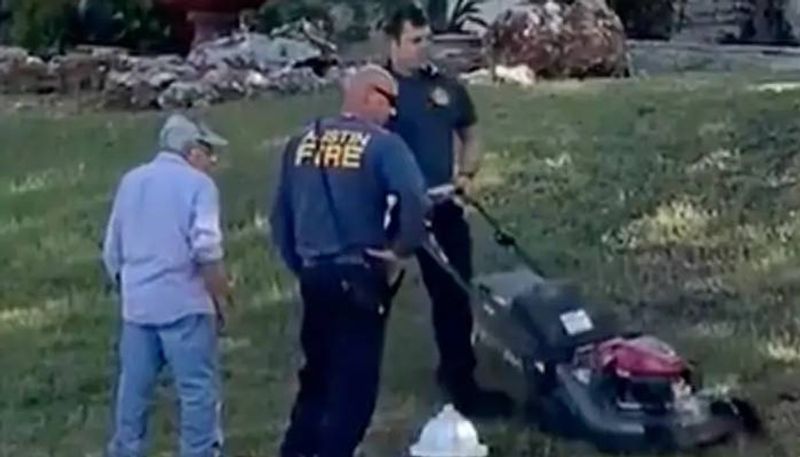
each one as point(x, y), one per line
point(364, 164)
point(430, 108)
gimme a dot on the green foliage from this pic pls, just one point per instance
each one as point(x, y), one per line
point(465, 12)
point(367, 15)
point(137, 25)
point(437, 13)
point(40, 24)
point(274, 15)
point(361, 27)
point(52, 25)
point(454, 15)
point(647, 19)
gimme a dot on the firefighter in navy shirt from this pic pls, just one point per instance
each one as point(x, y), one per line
point(328, 223)
point(433, 111)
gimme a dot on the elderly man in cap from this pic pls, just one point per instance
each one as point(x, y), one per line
point(163, 250)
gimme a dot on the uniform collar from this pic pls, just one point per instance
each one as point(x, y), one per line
point(429, 70)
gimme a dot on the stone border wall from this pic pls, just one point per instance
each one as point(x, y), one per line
point(664, 57)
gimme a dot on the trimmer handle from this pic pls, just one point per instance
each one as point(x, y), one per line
point(448, 192)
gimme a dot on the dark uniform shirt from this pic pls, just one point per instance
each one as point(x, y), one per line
point(364, 164)
point(431, 107)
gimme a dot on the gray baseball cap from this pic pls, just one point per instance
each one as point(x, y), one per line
point(180, 132)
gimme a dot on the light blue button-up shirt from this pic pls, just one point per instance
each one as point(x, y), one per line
point(164, 225)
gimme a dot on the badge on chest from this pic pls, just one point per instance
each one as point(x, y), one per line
point(439, 97)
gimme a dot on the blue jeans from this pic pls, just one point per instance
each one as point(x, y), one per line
point(189, 347)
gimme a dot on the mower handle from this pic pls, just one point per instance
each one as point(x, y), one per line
point(502, 236)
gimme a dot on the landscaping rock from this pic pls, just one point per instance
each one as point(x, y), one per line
point(184, 94)
point(80, 72)
point(254, 51)
point(300, 80)
point(583, 39)
point(521, 75)
point(141, 80)
point(292, 60)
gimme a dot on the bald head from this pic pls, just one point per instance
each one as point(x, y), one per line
point(367, 76)
point(370, 93)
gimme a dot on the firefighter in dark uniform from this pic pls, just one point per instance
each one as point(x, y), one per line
point(327, 221)
point(436, 118)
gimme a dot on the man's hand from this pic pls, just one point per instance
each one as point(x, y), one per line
point(220, 289)
point(394, 264)
point(115, 284)
point(221, 318)
point(465, 183)
point(216, 280)
point(221, 308)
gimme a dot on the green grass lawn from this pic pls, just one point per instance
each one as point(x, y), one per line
point(672, 201)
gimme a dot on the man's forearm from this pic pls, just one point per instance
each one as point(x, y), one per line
point(414, 209)
point(468, 153)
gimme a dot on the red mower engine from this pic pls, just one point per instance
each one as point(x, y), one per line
point(645, 373)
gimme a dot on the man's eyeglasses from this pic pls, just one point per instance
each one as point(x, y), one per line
point(390, 97)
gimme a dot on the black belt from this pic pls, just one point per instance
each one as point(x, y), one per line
point(353, 260)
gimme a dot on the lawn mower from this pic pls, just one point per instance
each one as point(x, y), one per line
point(586, 379)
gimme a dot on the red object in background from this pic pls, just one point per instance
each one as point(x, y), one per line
point(640, 357)
point(199, 20)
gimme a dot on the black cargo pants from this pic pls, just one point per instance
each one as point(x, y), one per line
point(452, 315)
point(346, 308)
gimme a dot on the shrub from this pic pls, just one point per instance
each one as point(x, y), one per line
point(277, 14)
point(646, 19)
point(366, 16)
point(53, 25)
point(40, 25)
